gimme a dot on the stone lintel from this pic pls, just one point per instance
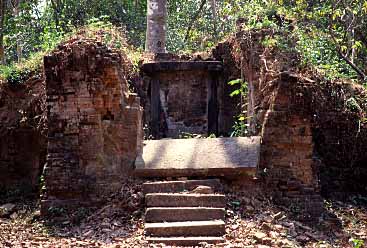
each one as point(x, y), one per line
point(181, 66)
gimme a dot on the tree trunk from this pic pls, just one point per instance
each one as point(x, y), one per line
point(214, 12)
point(2, 18)
point(16, 10)
point(155, 41)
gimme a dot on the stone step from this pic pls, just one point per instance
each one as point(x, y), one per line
point(185, 241)
point(186, 229)
point(185, 200)
point(183, 214)
point(180, 186)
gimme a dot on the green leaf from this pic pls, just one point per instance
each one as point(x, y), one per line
point(235, 93)
point(236, 81)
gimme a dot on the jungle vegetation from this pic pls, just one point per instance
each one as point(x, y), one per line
point(330, 35)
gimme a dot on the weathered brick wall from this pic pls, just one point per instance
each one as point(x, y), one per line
point(229, 106)
point(22, 134)
point(314, 138)
point(287, 165)
point(335, 133)
point(94, 124)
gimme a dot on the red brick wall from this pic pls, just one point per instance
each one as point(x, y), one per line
point(277, 113)
point(22, 134)
point(287, 165)
point(94, 124)
point(313, 142)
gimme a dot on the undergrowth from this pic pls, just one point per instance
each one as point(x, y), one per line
point(99, 29)
point(241, 126)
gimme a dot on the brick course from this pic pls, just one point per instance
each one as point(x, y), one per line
point(94, 124)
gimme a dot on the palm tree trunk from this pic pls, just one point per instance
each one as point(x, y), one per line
point(155, 40)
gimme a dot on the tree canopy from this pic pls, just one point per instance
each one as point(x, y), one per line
point(330, 35)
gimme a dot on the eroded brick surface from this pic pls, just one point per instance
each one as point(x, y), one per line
point(312, 140)
point(287, 163)
point(94, 123)
point(22, 134)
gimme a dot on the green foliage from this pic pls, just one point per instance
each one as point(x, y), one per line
point(353, 105)
point(40, 25)
point(185, 135)
point(240, 127)
point(113, 37)
point(318, 31)
point(356, 243)
point(126, 14)
point(14, 75)
point(22, 30)
point(204, 34)
point(316, 50)
point(80, 214)
point(270, 42)
point(242, 87)
point(17, 73)
point(41, 182)
point(309, 28)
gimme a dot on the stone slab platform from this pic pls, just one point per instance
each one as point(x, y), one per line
point(199, 157)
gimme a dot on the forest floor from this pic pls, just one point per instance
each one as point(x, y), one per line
point(252, 221)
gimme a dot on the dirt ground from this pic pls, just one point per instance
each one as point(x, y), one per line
point(252, 221)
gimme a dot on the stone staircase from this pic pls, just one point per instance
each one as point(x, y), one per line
point(184, 213)
point(188, 212)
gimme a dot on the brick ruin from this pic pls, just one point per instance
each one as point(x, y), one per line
point(94, 124)
point(313, 142)
point(22, 135)
point(287, 154)
point(305, 124)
